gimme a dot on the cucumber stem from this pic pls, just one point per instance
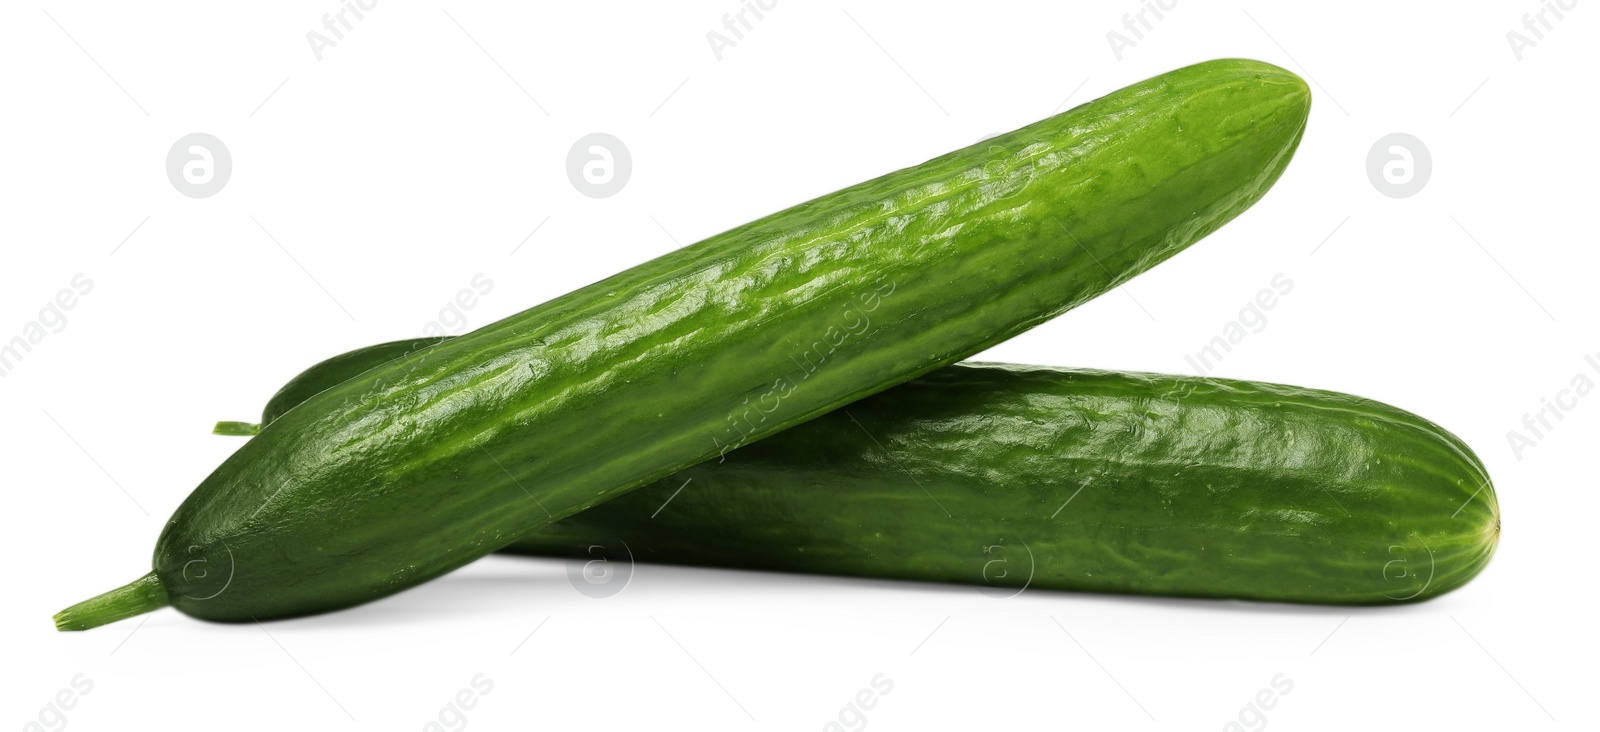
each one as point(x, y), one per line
point(236, 429)
point(135, 598)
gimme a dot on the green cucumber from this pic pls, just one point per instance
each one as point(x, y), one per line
point(427, 462)
point(325, 374)
point(1022, 476)
point(1025, 476)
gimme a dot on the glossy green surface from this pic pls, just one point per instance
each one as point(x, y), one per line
point(1010, 477)
point(337, 369)
point(434, 459)
point(1017, 476)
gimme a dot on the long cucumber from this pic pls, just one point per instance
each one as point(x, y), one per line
point(421, 465)
point(1013, 477)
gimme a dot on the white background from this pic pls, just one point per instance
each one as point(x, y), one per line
point(369, 187)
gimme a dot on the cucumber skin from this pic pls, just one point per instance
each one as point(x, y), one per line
point(1000, 448)
point(428, 462)
point(1177, 485)
point(340, 368)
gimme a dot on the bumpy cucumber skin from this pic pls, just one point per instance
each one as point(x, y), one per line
point(344, 366)
point(428, 462)
point(1280, 493)
point(1013, 476)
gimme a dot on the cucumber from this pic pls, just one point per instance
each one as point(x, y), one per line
point(1022, 476)
point(427, 462)
point(327, 373)
point(1026, 476)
